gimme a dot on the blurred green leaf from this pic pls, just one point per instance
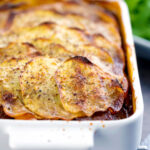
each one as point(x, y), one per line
point(140, 17)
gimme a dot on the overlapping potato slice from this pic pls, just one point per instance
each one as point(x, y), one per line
point(18, 50)
point(107, 30)
point(63, 6)
point(10, 88)
point(47, 30)
point(40, 92)
point(27, 34)
point(40, 16)
point(46, 47)
point(69, 20)
point(96, 19)
point(97, 56)
point(77, 42)
point(118, 58)
point(95, 13)
point(73, 39)
point(115, 52)
point(51, 48)
point(85, 87)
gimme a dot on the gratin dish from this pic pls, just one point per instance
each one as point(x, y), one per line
point(122, 134)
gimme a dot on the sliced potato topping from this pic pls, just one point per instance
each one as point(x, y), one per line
point(62, 49)
point(70, 20)
point(78, 43)
point(61, 60)
point(40, 16)
point(10, 87)
point(73, 39)
point(77, 7)
point(115, 52)
point(85, 87)
point(104, 22)
point(27, 34)
point(18, 50)
point(49, 30)
point(47, 47)
point(40, 92)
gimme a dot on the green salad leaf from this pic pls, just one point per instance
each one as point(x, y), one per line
point(140, 17)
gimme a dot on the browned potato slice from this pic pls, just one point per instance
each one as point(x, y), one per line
point(77, 42)
point(27, 34)
point(72, 15)
point(115, 52)
point(97, 56)
point(40, 16)
point(46, 47)
point(85, 87)
point(70, 20)
point(118, 58)
point(47, 30)
point(10, 87)
point(107, 30)
point(66, 41)
point(95, 21)
point(18, 50)
point(94, 13)
point(72, 39)
point(40, 92)
point(49, 47)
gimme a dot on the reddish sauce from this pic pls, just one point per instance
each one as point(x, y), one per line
point(2, 114)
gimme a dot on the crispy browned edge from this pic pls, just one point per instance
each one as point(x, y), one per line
point(116, 9)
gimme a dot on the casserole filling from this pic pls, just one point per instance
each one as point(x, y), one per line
point(60, 61)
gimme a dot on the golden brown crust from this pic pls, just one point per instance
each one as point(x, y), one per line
point(70, 60)
point(94, 21)
point(85, 87)
point(10, 94)
point(52, 49)
point(39, 90)
point(21, 50)
point(116, 53)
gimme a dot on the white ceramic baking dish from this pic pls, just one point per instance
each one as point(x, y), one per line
point(122, 134)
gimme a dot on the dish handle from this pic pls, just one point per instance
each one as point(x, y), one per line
point(50, 137)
